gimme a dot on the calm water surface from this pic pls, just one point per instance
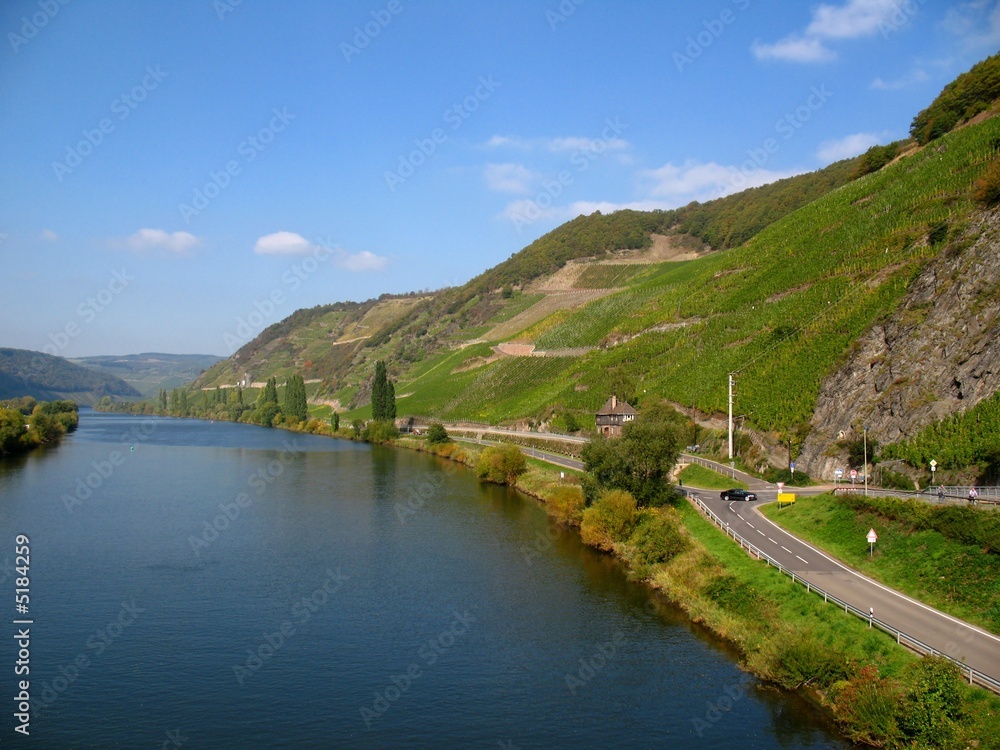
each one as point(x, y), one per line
point(228, 586)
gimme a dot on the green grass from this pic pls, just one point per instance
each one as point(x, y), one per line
point(608, 276)
point(780, 602)
point(956, 578)
point(695, 475)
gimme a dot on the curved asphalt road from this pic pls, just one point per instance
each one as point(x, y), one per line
point(972, 645)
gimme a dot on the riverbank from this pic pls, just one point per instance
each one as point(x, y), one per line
point(879, 693)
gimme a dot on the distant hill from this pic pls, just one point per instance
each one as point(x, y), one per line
point(48, 378)
point(151, 371)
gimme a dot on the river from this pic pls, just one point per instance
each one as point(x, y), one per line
point(213, 585)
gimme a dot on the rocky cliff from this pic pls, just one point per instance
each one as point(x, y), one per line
point(938, 354)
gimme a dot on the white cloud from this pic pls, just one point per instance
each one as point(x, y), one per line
point(509, 178)
point(48, 235)
point(669, 186)
point(499, 141)
point(283, 243)
point(852, 20)
point(579, 143)
point(177, 243)
point(362, 261)
point(846, 147)
point(794, 48)
point(696, 181)
point(911, 79)
point(292, 243)
point(856, 18)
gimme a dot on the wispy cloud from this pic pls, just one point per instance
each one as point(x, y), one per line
point(846, 147)
point(292, 243)
point(666, 187)
point(176, 243)
point(701, 181)
point(48, 235)
point(362, 261)
point(558, 144)
point(794, 48)
point(917, 77)
point(976, 22)
point(851, 20)
point(509, 178)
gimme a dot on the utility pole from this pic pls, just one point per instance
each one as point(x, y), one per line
point(730, 416)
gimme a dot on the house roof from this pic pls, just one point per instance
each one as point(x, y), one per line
point(614, 406)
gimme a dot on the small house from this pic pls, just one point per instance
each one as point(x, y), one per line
point(612, 417)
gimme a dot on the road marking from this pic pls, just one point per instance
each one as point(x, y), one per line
point(788, 550)
point(771, 540)
point(761, 532)
point(749, 524)
point(805, 561)
point(741, 517)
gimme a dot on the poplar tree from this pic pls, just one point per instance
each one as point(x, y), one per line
point(296, 404)
point(379, 392)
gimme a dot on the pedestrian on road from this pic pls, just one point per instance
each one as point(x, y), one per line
point(941, 493)
point(973, 495)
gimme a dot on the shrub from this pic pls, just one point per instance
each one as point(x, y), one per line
point(986, 190)
point(933, 702)
point(659, 539)
point(611, 519)
point(566, 504)
point(866, 705)
point(501, 464)
point(380, 431)
point(437, 434)
point(801, 659)
point(793, 479)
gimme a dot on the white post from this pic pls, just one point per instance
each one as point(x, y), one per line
point(730, 416)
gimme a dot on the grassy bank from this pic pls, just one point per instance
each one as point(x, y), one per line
point(960, 577)
point(695, 475)
point(880, 693)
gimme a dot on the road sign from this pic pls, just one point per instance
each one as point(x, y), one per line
point(838, 473)
point(786, 498)
point(854, 473)
point(933, 464)
point(872, 538)
point(791, 467)
point(781, 486)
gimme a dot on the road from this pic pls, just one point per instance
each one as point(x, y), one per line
point(948, 635)
point(552, 458)
point(967, 643)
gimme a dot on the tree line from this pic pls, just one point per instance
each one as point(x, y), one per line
point(26, 424)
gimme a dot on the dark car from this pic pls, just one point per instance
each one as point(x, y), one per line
point(738, 495)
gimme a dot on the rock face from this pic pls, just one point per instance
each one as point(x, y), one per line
point(938, 354)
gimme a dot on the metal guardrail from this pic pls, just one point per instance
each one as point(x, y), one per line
point(931, 497)
point(975, 677)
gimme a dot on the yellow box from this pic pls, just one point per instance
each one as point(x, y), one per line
point(786, 498)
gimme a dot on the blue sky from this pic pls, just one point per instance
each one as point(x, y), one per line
point(179, 175)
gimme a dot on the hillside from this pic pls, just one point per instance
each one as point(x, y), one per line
point(49, 378)
point(150, 372)
point(837, 300)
